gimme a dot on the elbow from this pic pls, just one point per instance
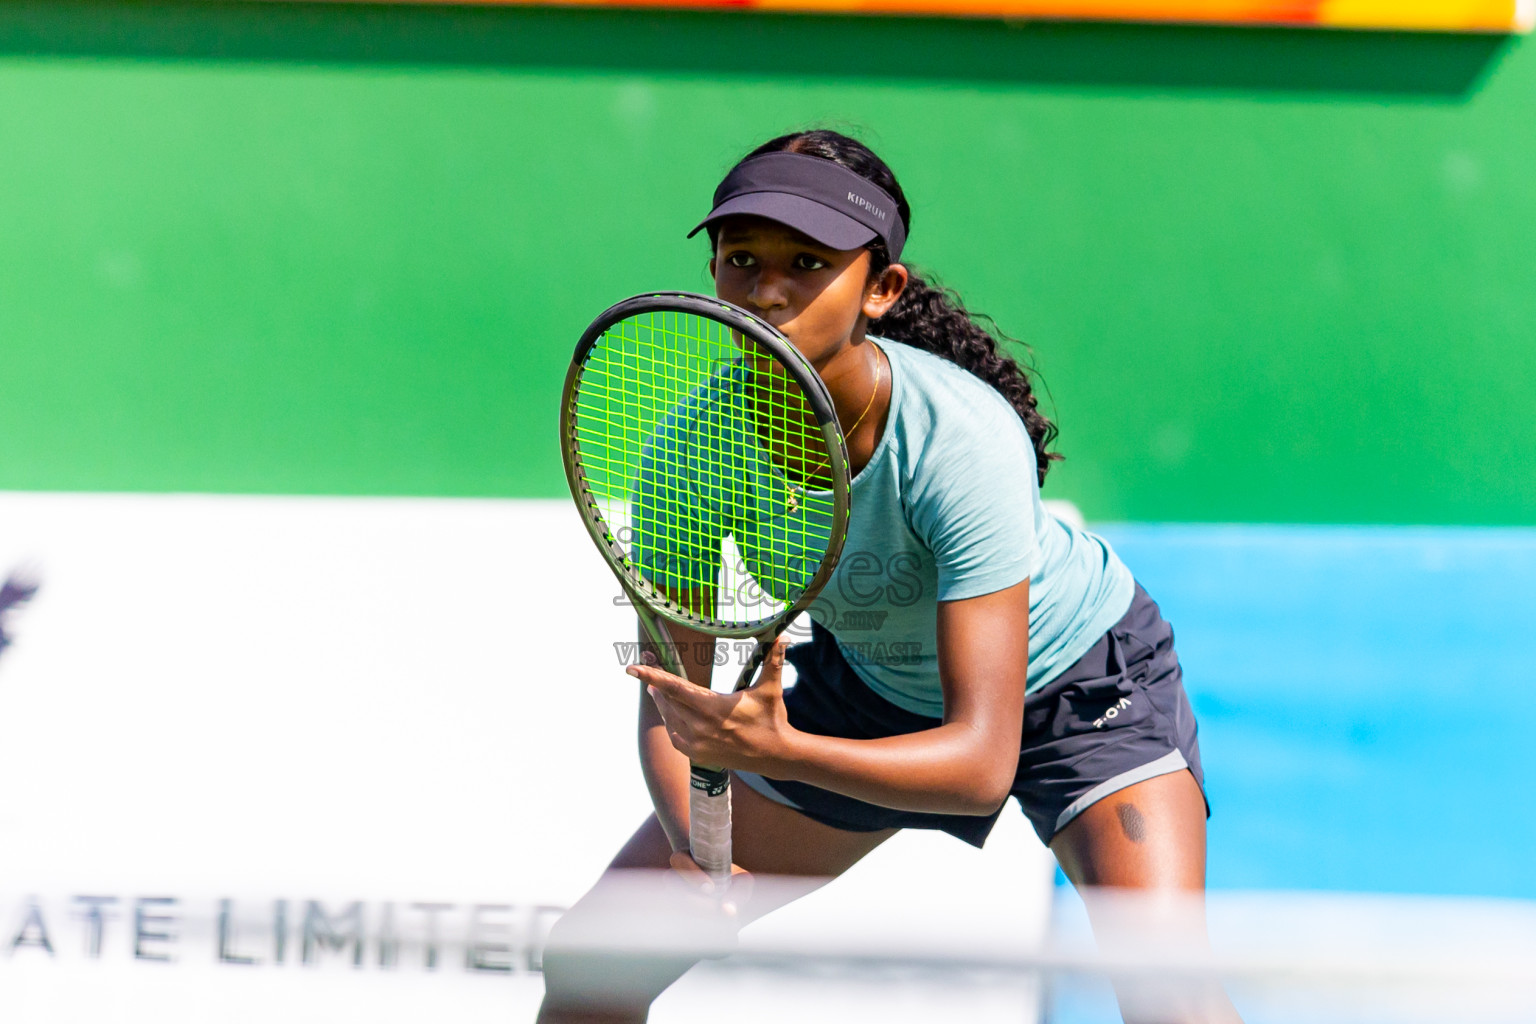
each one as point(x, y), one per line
point(987, 792)
point(990, 767)
point(990, 801)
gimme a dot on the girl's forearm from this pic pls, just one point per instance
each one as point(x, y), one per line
point(951, 769)
point(666, 774)
point(666, 770)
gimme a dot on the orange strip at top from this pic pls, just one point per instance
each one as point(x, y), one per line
point(1427, 15)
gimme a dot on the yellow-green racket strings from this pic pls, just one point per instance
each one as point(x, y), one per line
point(707, 464)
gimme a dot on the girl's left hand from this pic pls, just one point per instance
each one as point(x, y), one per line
point(748, 730)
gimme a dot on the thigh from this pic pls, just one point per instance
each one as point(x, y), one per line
point(1150, 835)
point(772, 839)
point(767, 838)
point(1150, 838)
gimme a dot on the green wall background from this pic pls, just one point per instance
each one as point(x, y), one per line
point(1267, 275)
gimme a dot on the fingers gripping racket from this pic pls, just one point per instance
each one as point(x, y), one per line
point(706, 459)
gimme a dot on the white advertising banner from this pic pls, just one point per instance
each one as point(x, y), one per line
point(320, 759)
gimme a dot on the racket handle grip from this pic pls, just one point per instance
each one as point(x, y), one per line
point(709, 822)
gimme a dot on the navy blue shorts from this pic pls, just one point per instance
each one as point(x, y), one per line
point(1116, 717)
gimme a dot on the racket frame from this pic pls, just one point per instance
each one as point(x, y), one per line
point(817, 396)
point(710, 792)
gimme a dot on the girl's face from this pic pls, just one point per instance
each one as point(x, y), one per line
point(819, 298)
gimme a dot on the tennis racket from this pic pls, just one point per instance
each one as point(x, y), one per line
point(709, 467)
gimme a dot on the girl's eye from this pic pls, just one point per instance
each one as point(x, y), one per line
point(739, 259)
point(805, 261)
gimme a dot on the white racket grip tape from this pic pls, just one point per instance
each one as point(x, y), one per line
point(709, 825)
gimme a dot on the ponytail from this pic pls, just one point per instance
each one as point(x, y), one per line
point(933, 318)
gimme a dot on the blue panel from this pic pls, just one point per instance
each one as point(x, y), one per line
point(1365, 697)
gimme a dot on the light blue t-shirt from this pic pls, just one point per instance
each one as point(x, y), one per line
point(948, 507)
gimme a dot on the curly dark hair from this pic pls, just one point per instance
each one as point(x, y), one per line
point(928, 315)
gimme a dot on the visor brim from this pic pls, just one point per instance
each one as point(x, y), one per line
point(821, 224)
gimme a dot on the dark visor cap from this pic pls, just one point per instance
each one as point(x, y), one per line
point(820, 199)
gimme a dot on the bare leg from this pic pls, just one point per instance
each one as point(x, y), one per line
point(767, 839)
point(1148, 837)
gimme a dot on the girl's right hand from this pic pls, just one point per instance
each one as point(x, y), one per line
point(698, 883)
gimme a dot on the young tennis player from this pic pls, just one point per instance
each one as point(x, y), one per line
point(969, 647)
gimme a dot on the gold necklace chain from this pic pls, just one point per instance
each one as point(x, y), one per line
point(867, 405)
point(792, 502)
